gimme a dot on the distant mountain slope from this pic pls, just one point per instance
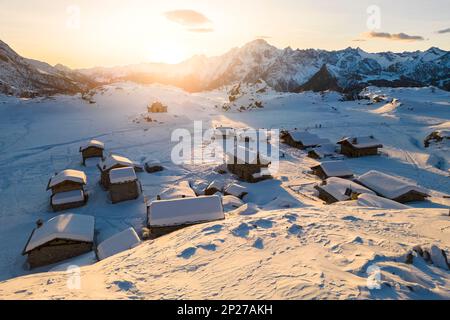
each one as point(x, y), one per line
point(28, 78)
point(290, 70)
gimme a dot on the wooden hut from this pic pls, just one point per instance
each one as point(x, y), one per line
point(114, 162)
point(248, 165)
point(62, 237)
point(67, 180)
point(157, 107)
point(302, 139)
point(393, 188)
point(338, 189)
point(330, 169)
point(166, 216)
point(124, 185)
point(68, 200)
point(355, 147)
point(92, 149)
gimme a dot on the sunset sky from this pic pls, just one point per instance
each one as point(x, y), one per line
point(86, 33)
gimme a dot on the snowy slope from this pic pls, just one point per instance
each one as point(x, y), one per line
point(311, 253)
point(282, 243)
point(28, 78)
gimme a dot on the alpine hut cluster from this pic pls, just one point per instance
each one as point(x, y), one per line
point(70, 235)
point(339, 182)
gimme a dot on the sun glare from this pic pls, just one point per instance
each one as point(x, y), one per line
point(167, 52)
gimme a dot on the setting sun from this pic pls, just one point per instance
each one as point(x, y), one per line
point(167, 52)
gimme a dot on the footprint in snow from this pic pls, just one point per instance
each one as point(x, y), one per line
point(187, 253)
point(259, 244)
point(263, 223)
point(379, 215)
point(124, 285)
point(295, 229)
point(291, 217)
point(358, 240)
point(351, 218)
point(213, 230)
point(190, 252)
point(242, 231)
point(208, 247)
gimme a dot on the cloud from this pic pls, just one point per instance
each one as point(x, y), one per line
point(201, 30)
point(359, 40)
point(187, 18)
point(444, 31)
point(394, 36)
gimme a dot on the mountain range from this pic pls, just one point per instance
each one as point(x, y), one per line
point(29, 78)
point(287, 70)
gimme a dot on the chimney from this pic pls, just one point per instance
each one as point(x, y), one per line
point(39, 223)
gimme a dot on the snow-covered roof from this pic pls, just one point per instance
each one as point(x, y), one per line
point(67, 227)
point(388, 186)
point(122, 175)
point(362, 142)
point(68, 175)
point(68, 197)
point(325, 150)
point(374, 201)
point(337, 187)
point(181, 190)
point(113, 160)
point(236, 190)
point(125, 240)
point(185, 211)
point(307, 138)
point(335, 168)
point(93, 143)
